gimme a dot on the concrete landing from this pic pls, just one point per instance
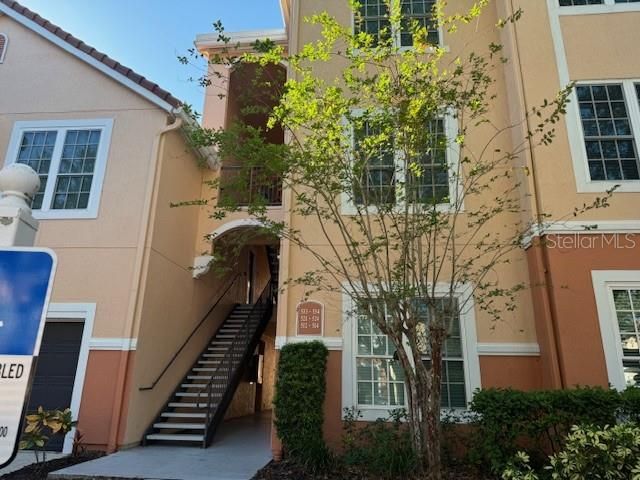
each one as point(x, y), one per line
point(242, 447)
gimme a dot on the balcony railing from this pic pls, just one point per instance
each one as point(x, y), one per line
point(248, 186)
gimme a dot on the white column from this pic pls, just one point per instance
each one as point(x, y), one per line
point(18, 184)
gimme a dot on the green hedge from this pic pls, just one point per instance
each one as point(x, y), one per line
point(298, 402)
point(538, 421)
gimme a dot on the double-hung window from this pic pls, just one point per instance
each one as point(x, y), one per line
point(576, 3)
point(626, 303)
point(610, 120)
point(70, 158)
point(375, 379)
point(385, 176)
point(374, 19)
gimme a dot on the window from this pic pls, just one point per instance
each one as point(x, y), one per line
point(4, 43)
point(383, 171)
point(627, 307)
point(608, 133)
point(573, 3)
point(70, 158)
point(374, 19)
point(617, 294)
point(373, 380)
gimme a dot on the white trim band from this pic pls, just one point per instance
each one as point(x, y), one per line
point(123, 344)
point(509, 349)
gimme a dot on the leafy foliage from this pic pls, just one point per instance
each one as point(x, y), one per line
point(611, 453)
point(299, 402)
point(43, 424)
point(382, 448)
point(538, 421)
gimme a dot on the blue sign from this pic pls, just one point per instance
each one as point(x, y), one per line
point(26, 276)
point(24, 282)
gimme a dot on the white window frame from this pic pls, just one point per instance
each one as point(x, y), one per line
point(83, 313)
point(396, 35)
point(61, 126)
point(347, 205)
point(608, 6)
point(604, 282)
point(471, 362)
point(3, 52)
point(577, 141)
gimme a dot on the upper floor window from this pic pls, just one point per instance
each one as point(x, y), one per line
point(627, 307)
point(374, 19)
point(4, 43)
point(70, 158)
point(572, 3)
point(386, 177)
point(609, 126)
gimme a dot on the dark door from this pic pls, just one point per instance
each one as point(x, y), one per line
point(251, 277)
point(56, 371)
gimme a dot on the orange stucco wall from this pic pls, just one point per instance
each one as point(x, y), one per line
point(569, 285)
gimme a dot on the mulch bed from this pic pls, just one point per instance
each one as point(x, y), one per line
point(289, 471)
point(39, 471)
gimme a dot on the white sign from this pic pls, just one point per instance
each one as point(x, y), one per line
point(26, 277)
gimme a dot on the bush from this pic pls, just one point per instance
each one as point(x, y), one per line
point(610, 453)
point(298, 402)
point(41, 426)
point(382, 448)
point(537, 422)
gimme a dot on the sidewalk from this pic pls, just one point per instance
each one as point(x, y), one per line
point(241, 447)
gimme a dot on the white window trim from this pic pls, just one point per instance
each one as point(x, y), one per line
point(609, 6)
point(106, 127)
point(396, 37)
point(577, 142)
point(75, 312)
point(469, 337)
point(604, 281)
point(347, 207)
point(3, 52)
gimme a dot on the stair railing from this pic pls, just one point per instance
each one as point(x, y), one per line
point(216, 392)
point(220, 297)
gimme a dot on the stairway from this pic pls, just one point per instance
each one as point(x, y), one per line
point(198, 405)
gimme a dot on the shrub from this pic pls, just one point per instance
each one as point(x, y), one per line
point(43, 424)
point(630, 408)
point(538, 422)
point(382, 448)
point(611, 453)
point(298, 402)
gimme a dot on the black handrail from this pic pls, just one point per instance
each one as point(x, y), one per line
point(175, 355)
point(218, 388)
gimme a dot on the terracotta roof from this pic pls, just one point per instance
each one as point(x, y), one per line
point(154, 88)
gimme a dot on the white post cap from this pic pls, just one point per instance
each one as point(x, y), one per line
point(18, 185)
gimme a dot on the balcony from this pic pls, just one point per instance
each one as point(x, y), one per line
point(249, 186)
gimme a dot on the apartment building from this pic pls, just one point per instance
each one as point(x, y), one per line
point(158, 347)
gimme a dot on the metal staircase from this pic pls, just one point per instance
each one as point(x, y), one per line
point(197, 407)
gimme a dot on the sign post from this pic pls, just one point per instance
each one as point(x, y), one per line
point(26, 276)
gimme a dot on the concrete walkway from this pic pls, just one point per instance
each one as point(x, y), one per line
point(27, 458)
point(241, 447)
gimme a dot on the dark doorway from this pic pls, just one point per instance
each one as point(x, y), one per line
point(56, 371)
point(251, 277)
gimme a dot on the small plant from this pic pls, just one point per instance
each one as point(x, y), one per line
point(611, 453)
point(382, 448)
point(41, 426)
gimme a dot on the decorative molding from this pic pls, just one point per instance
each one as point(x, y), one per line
point(332, 343)
point(115, 343)
point(509, 349)
point(202, 265)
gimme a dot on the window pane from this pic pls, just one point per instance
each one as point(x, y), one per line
point(611, 148)
point(631, 369)
point(428, 179)
point(570, 3)
point(365, 393)
point(418, 13)
point(376, 184)
point(75, 174)
point(374, 19)
point(36, 150)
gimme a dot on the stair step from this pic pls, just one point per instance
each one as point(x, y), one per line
point(175, 437)
point(192, 394)
point(187, 405)
point(205, 369)
point(193, 385)
point(210, 355)
point(180, 426)
point(199, 377)
point(224, 335)
point(183, 415)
